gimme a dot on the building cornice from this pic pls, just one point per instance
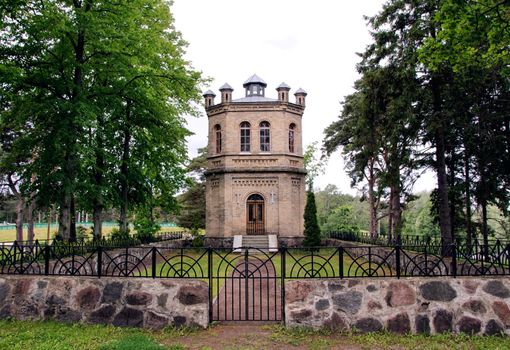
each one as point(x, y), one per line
point(255, 106)
point(255, 155)
point(219, 171)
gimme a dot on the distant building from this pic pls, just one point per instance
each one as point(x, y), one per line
point(255, 178)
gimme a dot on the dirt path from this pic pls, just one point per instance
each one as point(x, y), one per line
point(251, 293)
point(250, 336)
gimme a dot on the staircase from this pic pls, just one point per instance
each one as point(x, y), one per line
point(259, 242)
point(264, 243)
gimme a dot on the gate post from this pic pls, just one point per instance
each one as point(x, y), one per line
point(246, 284)
point(209, 275)
point(283, 269)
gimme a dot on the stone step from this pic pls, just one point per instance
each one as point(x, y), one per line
point(256, 240)
point(260, 243)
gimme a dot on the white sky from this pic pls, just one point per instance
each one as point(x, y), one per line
point(307, 44)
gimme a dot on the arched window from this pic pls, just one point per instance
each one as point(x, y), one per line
point(265, 137)
point(217, 129)
point(292, 129)
point(245, 137)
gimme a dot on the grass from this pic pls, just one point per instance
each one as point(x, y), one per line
point(42, 233)
point(21, 335)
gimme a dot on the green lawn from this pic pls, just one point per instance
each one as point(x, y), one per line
point(42, 233)
point(22, 335)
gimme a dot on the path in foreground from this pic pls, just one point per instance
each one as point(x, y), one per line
point(22, 335)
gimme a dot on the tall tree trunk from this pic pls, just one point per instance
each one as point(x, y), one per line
point(467, 181)
point(124, 185)
point(30, 214)
point(64, 216)
point(72, 217)
point(20, 203)
point(98, 202)
point(390, 219)
point(396, 213)
point(30, 220)
point(49, 225)
point(485, 227)
point(372, 201)
point(440, 165)
point(97, 217)
point(451, 185)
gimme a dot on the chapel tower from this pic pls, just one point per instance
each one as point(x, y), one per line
point(255, 178)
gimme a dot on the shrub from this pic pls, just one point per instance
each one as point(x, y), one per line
point(146, 230)
point(312, 230)
point(56, 236)
point(197, 241)
point(118, 235)
point(81, 233)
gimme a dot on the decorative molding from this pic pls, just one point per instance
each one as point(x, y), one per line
point(258, 182)
point(255, 161)
point(296, 182)
point(215, 183)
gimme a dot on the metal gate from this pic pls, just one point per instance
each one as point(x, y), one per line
point(245, 286)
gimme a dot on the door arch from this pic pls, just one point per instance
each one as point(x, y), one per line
point(255, 215)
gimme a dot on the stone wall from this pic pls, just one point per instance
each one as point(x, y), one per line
point(411, 305)
point(118, 301)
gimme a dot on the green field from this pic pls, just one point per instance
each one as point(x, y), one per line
point(42, 233)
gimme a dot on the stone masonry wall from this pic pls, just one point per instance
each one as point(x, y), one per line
point(118, 301)
point(411, 305)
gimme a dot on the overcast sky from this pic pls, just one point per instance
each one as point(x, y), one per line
point(307, 44)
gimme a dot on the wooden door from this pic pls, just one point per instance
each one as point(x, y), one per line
point(255, 215)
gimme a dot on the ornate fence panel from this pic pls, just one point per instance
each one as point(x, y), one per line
point(245, 285)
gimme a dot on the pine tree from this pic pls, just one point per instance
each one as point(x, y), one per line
point(312, 230)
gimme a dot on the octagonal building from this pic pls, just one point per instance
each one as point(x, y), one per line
point(255, 178)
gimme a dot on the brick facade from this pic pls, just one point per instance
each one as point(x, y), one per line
point(277, 175)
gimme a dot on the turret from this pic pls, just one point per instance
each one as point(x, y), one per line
point(300, 97)
point(226, 93)
point(283, 92)
point(209, 98)
point(255, 86)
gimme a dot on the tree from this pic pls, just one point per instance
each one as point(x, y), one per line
point(312, 231)
point(418, 219)
point(473, 38)
point(342, 219)
point(192, 201)
point(314, 165)
point(95, 89)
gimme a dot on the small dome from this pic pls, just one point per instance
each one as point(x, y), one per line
point(300, 92)
point(209, 93)
point(226, 87)
point(254, 79)
point(283, 86)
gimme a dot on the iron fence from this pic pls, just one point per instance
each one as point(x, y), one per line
point(407, 240)
point(294, 263)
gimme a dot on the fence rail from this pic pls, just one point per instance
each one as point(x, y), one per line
point(395, 261)
point(406, 240)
